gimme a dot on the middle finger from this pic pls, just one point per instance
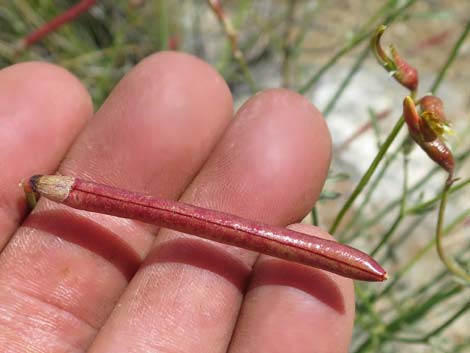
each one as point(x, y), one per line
point(269, 166)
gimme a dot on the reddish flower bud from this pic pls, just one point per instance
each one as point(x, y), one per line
point(403, 72)
point(406, 74)
point(427, 130)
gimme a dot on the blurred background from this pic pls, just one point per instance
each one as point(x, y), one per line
point(319, 48)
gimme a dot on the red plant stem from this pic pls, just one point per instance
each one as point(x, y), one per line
point(56, 22)
point(218, 226)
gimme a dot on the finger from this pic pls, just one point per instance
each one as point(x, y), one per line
point(294, 308)
point(62, 273)
point(39, 104)
point(269, 166)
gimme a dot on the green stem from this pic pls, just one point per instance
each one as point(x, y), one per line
point(286, 66)
point(437, 330)
point(357, 215)
point(414, 189)
point(426, 205)
point(366, 177)
point(451, 58)
point(401, 214)
point(315, 219)
point(451, 265)
point(347, 80)
point(419, 255)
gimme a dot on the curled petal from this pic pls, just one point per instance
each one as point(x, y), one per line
point(411, 116)
point(380, 54)
point(406, 74)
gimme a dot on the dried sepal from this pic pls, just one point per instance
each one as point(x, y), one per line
point(426, 135)
point(30, 195)
point(404, 73)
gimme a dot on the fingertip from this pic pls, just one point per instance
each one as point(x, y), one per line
point(42, 108)
point(42, 83)
point(296, 139)
point(182, 69)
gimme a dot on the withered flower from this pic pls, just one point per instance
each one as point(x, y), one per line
point(427, 129)
point(403, 72)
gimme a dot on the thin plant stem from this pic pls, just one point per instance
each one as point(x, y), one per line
point(412, 314)
point(437, 330)
point(451, 58)
point(374, 123)
point(361, 36)
point(426, 205)
point(412, 190)
point(161, 9)
point(401, 213)
point(346, 81)
point(315, 220)
point(368, 195)
point(366, 177)
point(55, 23)
point(287, 46)
point(232, 36)
point(451, 265)
point(419, 255)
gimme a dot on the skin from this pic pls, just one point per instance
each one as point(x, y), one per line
point(72, 280)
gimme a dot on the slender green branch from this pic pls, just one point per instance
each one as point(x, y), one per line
point(232, 36)
point(450, 59)
point(346, 81)
point(357, 215)
point(401, 213)
point(451, 265)
point(412, 190)
point(436, 331)
point(366, 177)
point(420, 254)
point(411, 315)
point(426, 205)
point(315, 220)
point(287, 49)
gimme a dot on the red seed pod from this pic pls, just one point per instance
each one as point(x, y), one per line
point(210, 224)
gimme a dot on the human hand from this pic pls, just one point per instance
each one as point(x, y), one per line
point(72, 281)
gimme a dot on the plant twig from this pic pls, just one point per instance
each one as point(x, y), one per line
point(451, 58)
point(232, 36)
point(401, 213)
point(366, 177)
point(287, 46)
point(420, 253)
point(55, 23)
point(346, 81)
point(450, 263)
